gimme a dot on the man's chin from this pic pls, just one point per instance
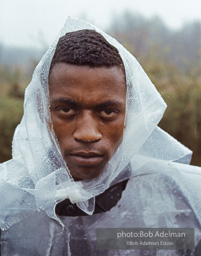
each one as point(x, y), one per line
point(85, 168)
point(85, 172)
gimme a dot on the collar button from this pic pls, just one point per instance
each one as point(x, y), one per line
point(70, 209)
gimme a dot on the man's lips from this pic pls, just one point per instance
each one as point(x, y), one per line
point(84, 158)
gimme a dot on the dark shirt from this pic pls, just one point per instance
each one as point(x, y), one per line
point(103, 202)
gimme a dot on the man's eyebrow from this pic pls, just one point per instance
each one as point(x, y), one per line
point(64, 100)
point(108, 103)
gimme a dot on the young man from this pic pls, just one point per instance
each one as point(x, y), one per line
point(88, 154)
point(87, 88)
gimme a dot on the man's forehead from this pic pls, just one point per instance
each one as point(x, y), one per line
point(74, 71)
point(87, 87)
point(78, 103)
point(73, 76)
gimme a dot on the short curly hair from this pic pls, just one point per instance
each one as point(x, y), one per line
point(86, 47)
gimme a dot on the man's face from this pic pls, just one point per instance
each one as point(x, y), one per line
point(88, 110)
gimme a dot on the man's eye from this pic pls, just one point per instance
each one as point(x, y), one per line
point(108, 113)
point(65, 110)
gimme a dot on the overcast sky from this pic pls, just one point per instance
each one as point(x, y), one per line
point(23, 22)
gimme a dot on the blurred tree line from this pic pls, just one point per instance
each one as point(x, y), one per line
point(171, 58)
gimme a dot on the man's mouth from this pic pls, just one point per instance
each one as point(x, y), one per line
point(84, 158)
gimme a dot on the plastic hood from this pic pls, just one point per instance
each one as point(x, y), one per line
point(37, 177)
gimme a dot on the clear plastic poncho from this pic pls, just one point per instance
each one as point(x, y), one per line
point(163, 190)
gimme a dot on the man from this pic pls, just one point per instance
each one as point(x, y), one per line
point(87, 101)
point(88, 154)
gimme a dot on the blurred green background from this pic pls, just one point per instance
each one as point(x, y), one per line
point(171, 58)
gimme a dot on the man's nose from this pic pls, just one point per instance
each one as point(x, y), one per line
point(87, 129)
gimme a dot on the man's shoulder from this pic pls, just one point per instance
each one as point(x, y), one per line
point(167, 184)
point(166, 169)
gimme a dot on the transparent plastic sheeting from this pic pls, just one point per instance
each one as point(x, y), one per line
point(37, 178)
point(153, 198)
